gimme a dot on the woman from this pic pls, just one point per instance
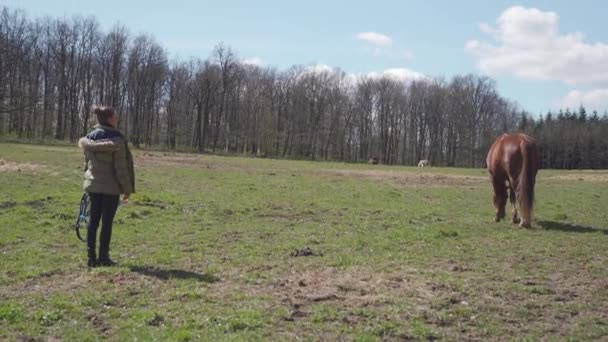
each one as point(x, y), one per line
point(108, 173)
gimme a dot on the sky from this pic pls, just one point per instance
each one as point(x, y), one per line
point(544, 55)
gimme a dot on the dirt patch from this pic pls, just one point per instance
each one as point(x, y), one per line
point(352, 294)
point(551, 303)
point(454, 309)
point(571, 286)
point(8, 166)
point(154, 159)
point(7, 205)
point(451, 266)
point(306, 251)
point(98, 321)
point(584, 177)
point(410, 178)
point(288, 214)
point(26, 338)
point(60, 281)
point(47, 284)
point(199, 161)
point(39, 203)
point(152, 203)
point(461, 309)
point(66, 149)
point(231, 237)
point(169, 159)
point(352, 288)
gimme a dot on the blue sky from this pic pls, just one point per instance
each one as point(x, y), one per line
point(543, 54)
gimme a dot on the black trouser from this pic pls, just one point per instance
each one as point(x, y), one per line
point(103, 207)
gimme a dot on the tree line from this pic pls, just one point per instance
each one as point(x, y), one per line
point(53, 71)
point(570, 139)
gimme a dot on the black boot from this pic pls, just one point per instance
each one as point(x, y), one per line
point(104, 258)
point(92, 262)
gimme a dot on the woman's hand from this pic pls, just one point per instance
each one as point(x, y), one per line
point(125, 198)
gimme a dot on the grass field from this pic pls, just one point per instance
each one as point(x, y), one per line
point(214, 248)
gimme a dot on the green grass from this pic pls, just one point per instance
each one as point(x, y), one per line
point(205, 251)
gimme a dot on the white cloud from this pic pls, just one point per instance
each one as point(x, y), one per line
point(318, 68)
point(597, 98)
point(256, 61)
point(486, 28)
point(526, 42)
point(375, 38)
point(400, 74)
point(403, 74)
point(381, 45)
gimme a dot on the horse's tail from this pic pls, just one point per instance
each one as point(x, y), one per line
point(526, 182)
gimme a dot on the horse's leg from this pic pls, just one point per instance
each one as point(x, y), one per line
point(500, 197)
point(524, 221)
point(512, 199)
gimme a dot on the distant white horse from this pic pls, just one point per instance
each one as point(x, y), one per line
point(424, 162)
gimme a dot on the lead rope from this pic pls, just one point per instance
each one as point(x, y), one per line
point(83, 215)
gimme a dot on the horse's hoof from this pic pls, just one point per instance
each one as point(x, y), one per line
point(524, 225)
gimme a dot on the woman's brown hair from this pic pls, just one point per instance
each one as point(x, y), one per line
point(104, 114)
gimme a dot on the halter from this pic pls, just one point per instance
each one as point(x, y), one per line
point(83, 214)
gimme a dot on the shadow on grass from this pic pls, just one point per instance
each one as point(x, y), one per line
point(174, 274)
point(566, 227)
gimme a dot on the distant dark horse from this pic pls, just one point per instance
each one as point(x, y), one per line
point(513, 161)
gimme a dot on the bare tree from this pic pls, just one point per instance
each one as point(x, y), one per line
point(52, 71)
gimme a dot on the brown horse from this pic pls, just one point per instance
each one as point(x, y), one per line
point(513, 161)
